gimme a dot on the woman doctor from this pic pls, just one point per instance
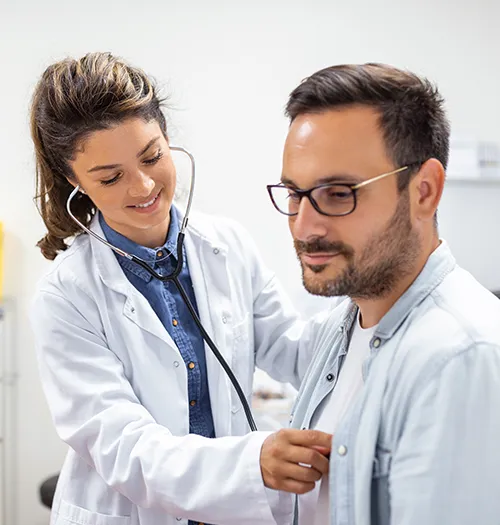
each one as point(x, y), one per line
point(156, 432)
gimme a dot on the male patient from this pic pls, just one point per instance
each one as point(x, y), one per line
point(407, 369)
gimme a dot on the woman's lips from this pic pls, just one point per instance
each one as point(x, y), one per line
point(149, 206)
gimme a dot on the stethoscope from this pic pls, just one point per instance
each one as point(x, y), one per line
point(173, 276)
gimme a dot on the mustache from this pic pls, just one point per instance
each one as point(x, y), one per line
point(321, 246)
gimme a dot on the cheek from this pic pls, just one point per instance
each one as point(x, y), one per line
point(109, 199)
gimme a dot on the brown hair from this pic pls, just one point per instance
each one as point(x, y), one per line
point(73, 99)
point(412, 115)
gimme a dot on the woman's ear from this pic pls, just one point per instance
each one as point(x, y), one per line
point(75, 184)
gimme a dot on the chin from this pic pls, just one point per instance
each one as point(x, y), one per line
point(319, 281)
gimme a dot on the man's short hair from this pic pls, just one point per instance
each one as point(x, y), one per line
point(412, 116)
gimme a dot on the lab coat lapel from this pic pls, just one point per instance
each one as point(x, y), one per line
point(207, 266)
point(136, 307)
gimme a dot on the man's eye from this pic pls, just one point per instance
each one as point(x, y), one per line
point(293, 196)
point(338, 194)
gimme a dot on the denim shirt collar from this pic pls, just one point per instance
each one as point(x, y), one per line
point(439, 264)
point(154, 256)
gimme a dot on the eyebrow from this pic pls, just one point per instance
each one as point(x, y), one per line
point(340, 178)
point(113, 166)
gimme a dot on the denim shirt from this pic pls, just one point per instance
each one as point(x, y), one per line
point(168, 305)
point(420, 445)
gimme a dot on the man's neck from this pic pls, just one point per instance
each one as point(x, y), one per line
point(372, 310)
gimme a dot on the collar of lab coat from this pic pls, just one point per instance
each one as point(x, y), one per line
point(201, 241)
point(198, 233)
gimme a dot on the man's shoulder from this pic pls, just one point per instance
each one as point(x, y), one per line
point(460, 312)
point(459, 316)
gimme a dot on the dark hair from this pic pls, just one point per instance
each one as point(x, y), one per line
point(412, 116)
point(73, 99)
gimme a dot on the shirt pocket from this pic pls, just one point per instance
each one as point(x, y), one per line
point(69, 514)
point(242, 361)
point(380, 495)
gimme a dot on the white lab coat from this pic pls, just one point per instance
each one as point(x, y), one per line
point(116, 385)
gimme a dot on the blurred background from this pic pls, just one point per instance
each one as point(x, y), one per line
point(227, 68)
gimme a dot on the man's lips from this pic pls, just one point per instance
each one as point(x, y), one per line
point(318, 258)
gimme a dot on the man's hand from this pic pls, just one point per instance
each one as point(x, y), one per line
point(285, 455)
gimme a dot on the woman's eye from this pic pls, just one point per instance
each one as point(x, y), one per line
point(111, 181)
point(155, 159)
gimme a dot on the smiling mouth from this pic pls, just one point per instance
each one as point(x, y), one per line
point(147, 204)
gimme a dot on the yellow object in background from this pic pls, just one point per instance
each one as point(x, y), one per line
point(1, 261)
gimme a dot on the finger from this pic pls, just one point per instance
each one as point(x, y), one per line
point(323, 450)
point(307, 456)
point(300, 473)
point(295, 487)
point(310, 438)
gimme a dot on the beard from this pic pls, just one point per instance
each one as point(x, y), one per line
point(386, 258)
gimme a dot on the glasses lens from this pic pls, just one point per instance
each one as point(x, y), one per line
point(334, 199)
point(285, 199)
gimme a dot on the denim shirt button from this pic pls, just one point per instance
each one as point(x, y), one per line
point(342, 450)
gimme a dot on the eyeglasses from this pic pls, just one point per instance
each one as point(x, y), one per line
point(333, 200)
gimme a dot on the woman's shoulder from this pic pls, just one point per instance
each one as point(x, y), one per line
point(69, 269)
point(218, 228)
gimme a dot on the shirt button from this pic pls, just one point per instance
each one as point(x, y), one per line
point(216, 251)
point(329, 377)
point(376, 342)
point(192, 403)
point(342, 450)
point(175, 322)
point(191, 365)
point(176, 364)
point(159, 254)
point(132, 309)
point(224, 319)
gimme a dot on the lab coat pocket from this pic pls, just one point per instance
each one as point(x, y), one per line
point(69, 514)
point(380, 496)
point(241, 361)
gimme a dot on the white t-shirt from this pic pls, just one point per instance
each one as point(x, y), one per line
point(314, 507)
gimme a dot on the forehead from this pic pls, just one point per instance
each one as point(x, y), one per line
point(117, 143)
point(341, 141)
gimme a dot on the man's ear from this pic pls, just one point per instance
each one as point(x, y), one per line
point(427, 187)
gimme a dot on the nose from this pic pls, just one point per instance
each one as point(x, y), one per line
point(142, 185)
point(308, 223)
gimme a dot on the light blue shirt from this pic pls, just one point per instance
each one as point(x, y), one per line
point(421, 444)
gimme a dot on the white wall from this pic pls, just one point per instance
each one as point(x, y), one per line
point(229, 67)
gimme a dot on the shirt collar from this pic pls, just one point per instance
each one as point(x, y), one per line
point(154, 256)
